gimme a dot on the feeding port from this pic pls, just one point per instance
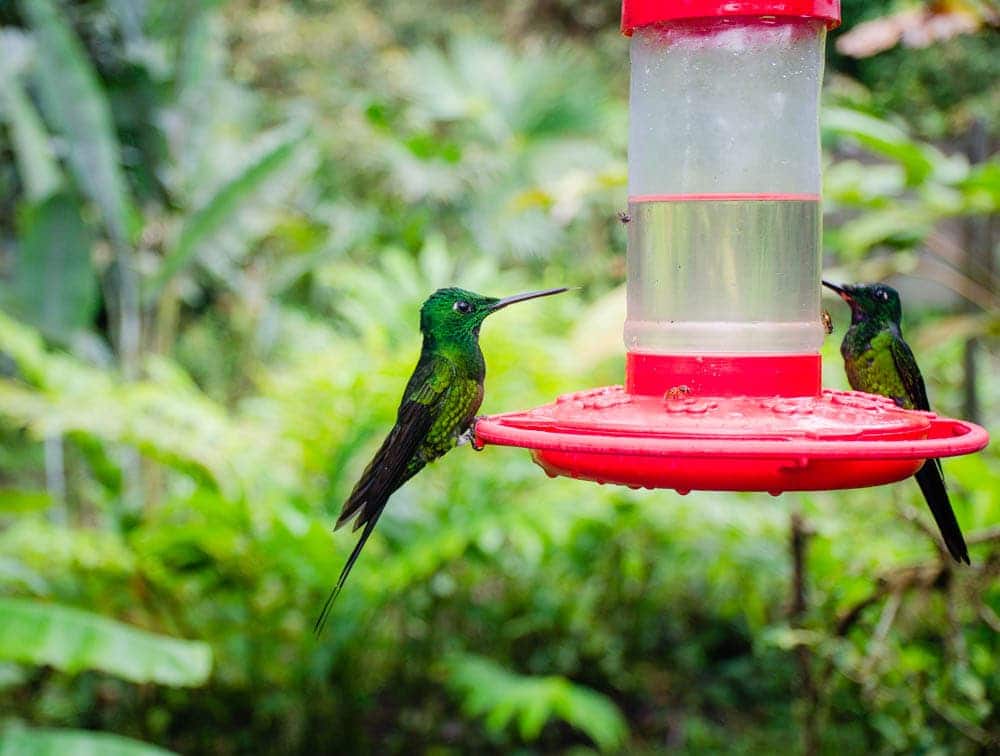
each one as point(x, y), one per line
point(722, 383)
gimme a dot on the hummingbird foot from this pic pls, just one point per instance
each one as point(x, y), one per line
point(468, 436)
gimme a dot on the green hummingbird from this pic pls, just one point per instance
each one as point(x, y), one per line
point(879, 361)
point(436, 413)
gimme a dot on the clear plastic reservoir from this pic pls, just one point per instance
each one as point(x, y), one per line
point(724, 182)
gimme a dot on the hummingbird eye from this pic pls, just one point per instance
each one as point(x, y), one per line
point(462, 306)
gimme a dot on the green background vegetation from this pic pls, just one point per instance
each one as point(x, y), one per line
point(217, 222)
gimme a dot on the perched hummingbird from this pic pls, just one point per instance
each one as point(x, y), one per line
point(879, 361)
point(437, 410)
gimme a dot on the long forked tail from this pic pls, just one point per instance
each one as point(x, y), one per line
point(931, 482)
point(325, 613)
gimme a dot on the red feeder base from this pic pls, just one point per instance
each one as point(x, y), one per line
point(682, 439)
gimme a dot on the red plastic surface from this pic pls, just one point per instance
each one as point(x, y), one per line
point(636, 13)
point(730, 443)
point(724, 374)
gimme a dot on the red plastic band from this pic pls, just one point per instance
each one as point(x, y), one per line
point(636, 13)
point(723, 374)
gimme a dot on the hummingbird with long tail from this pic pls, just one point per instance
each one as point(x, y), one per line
point(437, 410)
point(879, 361)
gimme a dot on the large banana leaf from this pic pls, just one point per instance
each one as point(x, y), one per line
point(32, 150)
point(22, 741)
point(212, 218)
point(72, 640)
point(54, 286)
point(77, 106)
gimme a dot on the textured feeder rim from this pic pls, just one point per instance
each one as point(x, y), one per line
point(636, 13)
point(949, 438)
point(729, 422)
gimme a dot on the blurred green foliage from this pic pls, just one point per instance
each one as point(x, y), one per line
point(217, 222)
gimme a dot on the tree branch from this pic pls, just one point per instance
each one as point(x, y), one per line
point(984, 536)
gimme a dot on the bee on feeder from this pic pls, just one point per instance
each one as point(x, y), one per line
point(827, 321)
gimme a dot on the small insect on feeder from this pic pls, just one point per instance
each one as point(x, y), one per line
point(722, 380)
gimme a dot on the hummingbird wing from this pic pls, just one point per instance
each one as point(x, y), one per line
point(909, 373)
point(395, 462)
point(930, 477)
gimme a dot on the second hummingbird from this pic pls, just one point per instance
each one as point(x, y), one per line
point(879, 361)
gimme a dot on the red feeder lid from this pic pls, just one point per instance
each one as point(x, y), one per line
point(660, 434)
point(636, 13)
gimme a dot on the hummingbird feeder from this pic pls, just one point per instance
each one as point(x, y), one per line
point(723, 376)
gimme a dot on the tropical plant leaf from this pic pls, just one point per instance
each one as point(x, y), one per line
point(920, 161)
point(502, 697)
point(901, 226)
point(35, 161)
point(167, 419)
point(852, 183)
point(24, 347)
point(73, 640)
point(195, 113)
point(23, 741)
point(14, 500)
point(54, 286)
point(982, 187)
point(202, 226)
point(76, 104)
point(50, 549)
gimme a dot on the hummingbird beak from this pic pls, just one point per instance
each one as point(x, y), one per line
point(842, 292)
point(523, 297)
